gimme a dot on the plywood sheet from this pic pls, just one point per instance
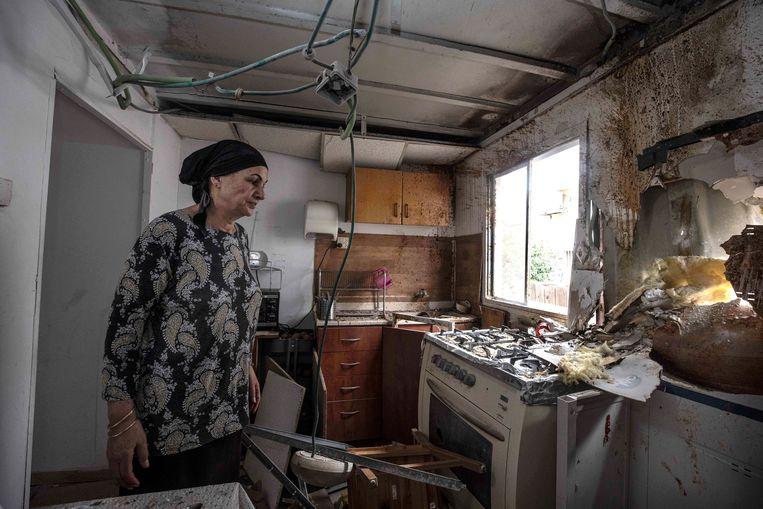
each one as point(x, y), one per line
point(279, 409)
point(493, 317)
point(414, 262)
point(468, 271)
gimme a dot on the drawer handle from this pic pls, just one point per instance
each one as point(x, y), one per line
point(349, 389)
point(350, 340)
point(349, 414)
point(348, 364)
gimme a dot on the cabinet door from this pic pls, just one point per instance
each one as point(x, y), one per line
point(377, 196)
point(427, 199)
point(401, 368)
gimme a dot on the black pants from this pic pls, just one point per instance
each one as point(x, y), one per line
point(213, 463)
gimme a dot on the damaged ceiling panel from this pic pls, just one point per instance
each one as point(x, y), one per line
point(335, 153)
point(438, 70)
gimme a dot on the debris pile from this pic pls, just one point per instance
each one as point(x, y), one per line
point(675, 291)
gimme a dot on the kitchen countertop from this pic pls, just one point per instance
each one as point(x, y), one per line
point(355, 319)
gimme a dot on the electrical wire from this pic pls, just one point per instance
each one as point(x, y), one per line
point(175, 82)
point(316, 375)
point(352, 27)
point(367, 38)
point(123, 99)
point(320, 264)
point(314, 33)
point(238, 92)
point(612, 26)
point(153, 112)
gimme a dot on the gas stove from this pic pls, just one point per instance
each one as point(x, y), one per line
point(486, 395)
point(506, 354)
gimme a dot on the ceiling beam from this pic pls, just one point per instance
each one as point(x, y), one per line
point(321, 120)
point(187, 61)
point(384, 35)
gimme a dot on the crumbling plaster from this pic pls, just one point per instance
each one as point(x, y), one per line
point(712, 71)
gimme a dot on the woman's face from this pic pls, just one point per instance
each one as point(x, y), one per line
point(238, 193)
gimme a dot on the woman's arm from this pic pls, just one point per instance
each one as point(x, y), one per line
point(145, 278)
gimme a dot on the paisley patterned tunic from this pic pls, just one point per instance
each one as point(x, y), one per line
point(180, 332)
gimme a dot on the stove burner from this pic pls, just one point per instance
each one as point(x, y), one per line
point(508, 346)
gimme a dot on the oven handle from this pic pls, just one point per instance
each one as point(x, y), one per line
point(482, 426)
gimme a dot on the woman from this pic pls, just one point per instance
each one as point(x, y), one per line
point(177, 370)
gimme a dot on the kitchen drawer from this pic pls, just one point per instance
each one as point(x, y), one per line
point(340, 364)
point(348, 339)
point(353, 420)
point(354, 387)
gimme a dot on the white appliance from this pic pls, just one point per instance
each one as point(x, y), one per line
point(483, 395)
point(321, 219)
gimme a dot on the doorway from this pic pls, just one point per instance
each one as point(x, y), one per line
point(95, 211)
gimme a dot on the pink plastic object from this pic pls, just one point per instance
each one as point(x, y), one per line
point(379, 278)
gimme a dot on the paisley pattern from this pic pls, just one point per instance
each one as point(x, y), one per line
point(180, 333)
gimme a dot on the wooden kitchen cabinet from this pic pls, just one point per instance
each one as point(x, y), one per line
point(352, 370)
point(401, 366)
point(395, 197)
point(378, 196)
point(427, 199)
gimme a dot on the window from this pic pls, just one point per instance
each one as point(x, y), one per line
point(532, 231)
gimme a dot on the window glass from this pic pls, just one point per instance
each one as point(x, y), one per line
point(510, 232)
point(533, 232)
point(553, 213)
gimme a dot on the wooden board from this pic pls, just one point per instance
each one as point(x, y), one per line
point(493, 317)
point(468, 269)
point(279, 409)
point(401, 366)
point(414, 262)
point(377, 196)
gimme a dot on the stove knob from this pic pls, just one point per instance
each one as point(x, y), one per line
point(470, 380)
point(454, 369)
point(445, 365)
point(435, 358)
point(461, 374)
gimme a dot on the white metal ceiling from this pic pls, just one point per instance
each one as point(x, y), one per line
point(439, 70)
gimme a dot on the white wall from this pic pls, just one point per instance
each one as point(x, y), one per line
point(279, 222)
point(95, 175)
point(36, 47)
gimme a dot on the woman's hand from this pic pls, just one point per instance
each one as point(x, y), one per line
point(120, 450)
point(254, 391)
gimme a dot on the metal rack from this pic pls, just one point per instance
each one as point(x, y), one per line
point(353, 281)
point(269, 272)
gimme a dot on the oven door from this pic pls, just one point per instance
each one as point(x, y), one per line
point(456, 424)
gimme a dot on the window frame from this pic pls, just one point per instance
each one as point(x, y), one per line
point(488, 296)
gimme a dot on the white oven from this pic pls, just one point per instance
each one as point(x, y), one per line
point(465, 409)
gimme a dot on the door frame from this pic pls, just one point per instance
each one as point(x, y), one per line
point(55, 85)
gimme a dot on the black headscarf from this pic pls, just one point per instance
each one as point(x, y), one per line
point(222, 158)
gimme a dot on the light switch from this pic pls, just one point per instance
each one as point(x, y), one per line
point(5, 192)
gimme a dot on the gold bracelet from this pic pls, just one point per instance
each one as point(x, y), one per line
point(120, 421)
point(128, 427)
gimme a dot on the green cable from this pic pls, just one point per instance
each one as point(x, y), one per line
point(139, 79)
point(125, 101)
point(235, 92)
point(351, 118)
point(367, 38)
point(314, 33)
